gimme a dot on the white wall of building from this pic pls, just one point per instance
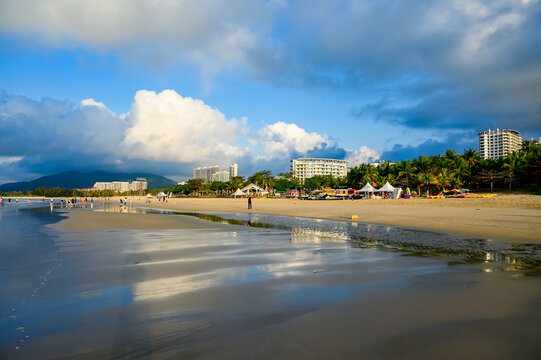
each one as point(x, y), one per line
point(304, 169)
point(495, 144)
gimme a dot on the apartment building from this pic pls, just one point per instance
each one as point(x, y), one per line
point(211, 173)
point(498, 143)
point(233, 171)
point(205, 172)
point(306, 168)
point(222, 176)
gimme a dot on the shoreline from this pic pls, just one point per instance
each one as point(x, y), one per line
point(507, 219)
point(512, 220)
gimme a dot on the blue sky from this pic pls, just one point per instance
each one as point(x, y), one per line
point(164, 86)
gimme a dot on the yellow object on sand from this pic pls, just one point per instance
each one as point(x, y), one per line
point(354, 217)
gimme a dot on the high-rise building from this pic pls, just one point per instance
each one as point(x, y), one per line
point(222, 176)
point(495, 144)
point(205, 173)
point(233, 171)
point(305, 168)
point(208, 173)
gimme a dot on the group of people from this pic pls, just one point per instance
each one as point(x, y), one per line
point(2, 202)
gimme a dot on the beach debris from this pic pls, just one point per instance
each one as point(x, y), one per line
point(354, 217)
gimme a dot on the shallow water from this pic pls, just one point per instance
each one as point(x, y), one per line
point(259, 287)
point(524, 259)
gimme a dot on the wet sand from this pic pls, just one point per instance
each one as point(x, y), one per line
point(179, 287)
point(512, 218)
point(83, 220)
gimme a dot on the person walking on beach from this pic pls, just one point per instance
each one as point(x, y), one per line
point(249, 202)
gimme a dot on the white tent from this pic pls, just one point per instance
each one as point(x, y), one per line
point(253, 188)
point(386, 188)
point(367, 188)
point(238, 193)
point(149, 196)
point(161, 194)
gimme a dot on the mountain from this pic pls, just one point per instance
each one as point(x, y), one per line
point(79, 180)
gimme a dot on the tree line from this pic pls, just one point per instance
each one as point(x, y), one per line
point(521, 169)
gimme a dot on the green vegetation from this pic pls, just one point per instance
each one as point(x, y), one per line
point(434, 173)
point(520, 170)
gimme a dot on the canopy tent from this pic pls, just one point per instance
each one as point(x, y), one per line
point(253, 188)
point(161, 194)
point(386, 188)
point(367, 188)
point(238, 193)
point(149, 196)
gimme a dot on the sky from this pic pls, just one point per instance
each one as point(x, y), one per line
point(164, 86)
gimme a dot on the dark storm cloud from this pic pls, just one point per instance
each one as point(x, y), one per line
point(328, 151)
point(455, 142)
point(435, 64)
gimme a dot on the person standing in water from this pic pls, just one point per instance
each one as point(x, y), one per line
point(249, 202)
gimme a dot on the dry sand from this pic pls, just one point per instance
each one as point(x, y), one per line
point(512, 218)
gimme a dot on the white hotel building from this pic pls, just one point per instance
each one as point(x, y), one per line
point(495, 144)
point(137, 185)
point(306, 168)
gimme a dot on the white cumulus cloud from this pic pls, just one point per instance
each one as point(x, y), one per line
point(168, 127)
point(362, 156)
point(281, 139)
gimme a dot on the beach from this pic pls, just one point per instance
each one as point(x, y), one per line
point(510, 219)
point(147, 283)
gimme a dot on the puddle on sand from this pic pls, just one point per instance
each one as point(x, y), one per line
point(523, 258)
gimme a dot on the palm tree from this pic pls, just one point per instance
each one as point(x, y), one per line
point(235, 183)
point(260, 178)
point(451, 154)
point(472, 157)
point(444, 178)
point(406, 170)
point(514, 164)
point(461, 173)
point(372, 174)
point(422, 163)
point(425, 179)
